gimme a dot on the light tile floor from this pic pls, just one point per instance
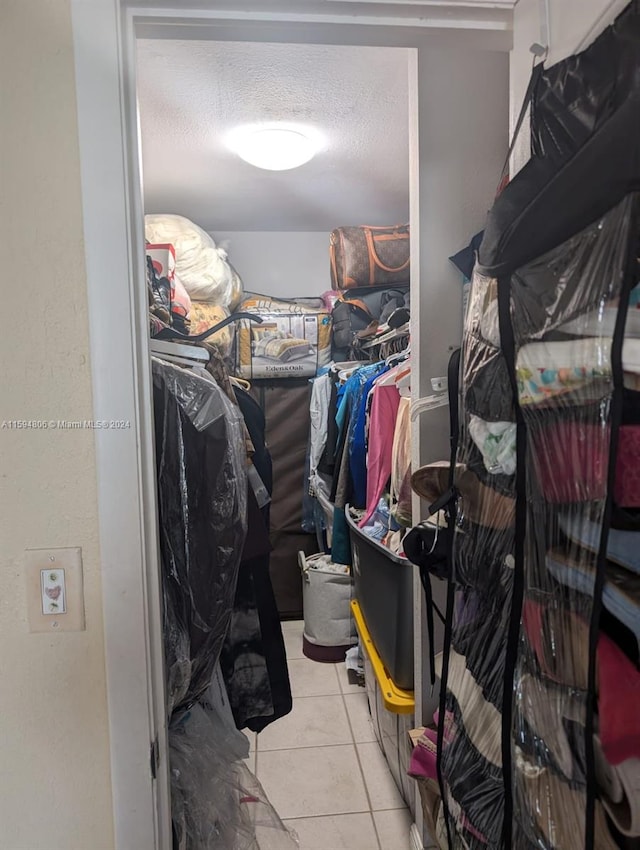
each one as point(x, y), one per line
point(321, 766)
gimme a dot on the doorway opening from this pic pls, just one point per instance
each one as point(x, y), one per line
point(461, 62)
point(320, 765)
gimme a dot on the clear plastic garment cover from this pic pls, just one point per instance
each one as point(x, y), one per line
point(202, 498)
point(539, 742)
point(217, 804)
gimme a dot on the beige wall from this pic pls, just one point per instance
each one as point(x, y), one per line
point(55, 791)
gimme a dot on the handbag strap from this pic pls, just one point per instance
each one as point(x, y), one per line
point(446, 502)
point(453, 381)
point(453, 375)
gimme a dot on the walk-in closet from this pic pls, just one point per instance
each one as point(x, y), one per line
point(320, 441)
point(288, 428)
point(388, 312)
point(289, 378)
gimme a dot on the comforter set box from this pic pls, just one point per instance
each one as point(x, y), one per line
point(293, 339)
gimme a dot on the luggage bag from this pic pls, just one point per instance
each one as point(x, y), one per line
point(369, 256)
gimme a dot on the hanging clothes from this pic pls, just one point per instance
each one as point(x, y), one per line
point(326, 463)
point(401, 465)
point(359, 452)
point(351, 483)
point(202, 506)
point(364, 415)
point(253, 661)
point(384, 415)
point(319, 410)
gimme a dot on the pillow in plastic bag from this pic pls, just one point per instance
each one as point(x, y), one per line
point(204, 316)
point(201, 266)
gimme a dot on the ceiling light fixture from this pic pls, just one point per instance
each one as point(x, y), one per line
point(274, 148)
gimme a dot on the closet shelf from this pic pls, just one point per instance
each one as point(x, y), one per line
point(395, 699)
point(389, 336)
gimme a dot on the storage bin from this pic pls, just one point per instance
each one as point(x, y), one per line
point(392, 735)
point(329, 630)
point(392, 713)
point(383, 585)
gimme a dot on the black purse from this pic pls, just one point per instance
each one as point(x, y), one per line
point(427, 546)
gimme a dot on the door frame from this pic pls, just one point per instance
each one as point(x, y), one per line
point(104, 33)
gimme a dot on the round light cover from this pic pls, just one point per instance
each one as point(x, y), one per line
point(273, 148)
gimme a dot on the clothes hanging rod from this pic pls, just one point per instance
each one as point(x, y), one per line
point(191, 352)
point(172, 333)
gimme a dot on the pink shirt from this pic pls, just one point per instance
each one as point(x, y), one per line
point(384, 410)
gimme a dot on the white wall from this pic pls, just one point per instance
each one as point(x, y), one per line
point(463, 131)
point(55, 784)
point(280, 264)
point(463, 136)
point(573, 25)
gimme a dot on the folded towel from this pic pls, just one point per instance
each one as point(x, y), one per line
point(546, 370)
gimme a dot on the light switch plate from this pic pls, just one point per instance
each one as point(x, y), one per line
point(55, 593)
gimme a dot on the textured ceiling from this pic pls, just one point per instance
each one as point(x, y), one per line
point(191, 94)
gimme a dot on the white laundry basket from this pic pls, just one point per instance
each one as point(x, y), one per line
point(329, 630)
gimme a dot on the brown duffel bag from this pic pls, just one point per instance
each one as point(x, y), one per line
point(369, 256)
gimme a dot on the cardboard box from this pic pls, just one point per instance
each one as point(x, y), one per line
point(163, 257)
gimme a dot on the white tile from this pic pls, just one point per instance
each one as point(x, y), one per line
point(293, 644)
point(274, 836)
point(340, 832)
point(251, 738)
point(345, 686)
point(314, 722)
point(292, 625)
point(250, 761)
point(381, 786)
point(394, 828)
point(359, 717)
point(313, 781)
point(311, 678)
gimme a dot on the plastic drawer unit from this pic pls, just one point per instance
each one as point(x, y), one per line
point(383, 586)
point(392, 713)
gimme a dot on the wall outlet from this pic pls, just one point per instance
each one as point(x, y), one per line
point(55, 593)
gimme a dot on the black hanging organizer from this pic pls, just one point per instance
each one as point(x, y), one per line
point(539, 615)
